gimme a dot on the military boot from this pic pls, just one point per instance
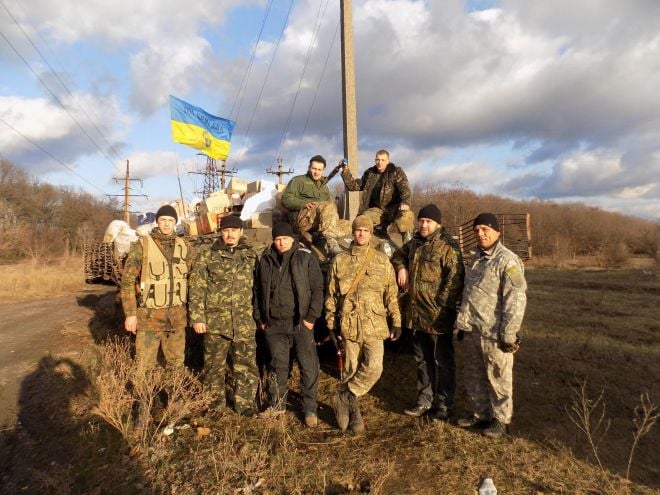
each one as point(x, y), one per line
point(406, 237)
point(341, 404)
point(356, 424)
point(496, 429)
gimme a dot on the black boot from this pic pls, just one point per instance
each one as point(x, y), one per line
point(356, 424)
point(341, 404)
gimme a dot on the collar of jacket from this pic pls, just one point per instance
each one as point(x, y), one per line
point(359, 250)
point(219, 245)
point(157, 234)
point(272, 253)
point(489, 253)
point(388, 170)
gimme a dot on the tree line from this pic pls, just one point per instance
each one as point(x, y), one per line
point(40, 221)
point(561, 231)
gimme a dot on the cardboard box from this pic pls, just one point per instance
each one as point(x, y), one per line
point(266, 219)
point(237, 185)
point(208, 223)
point(280, 187)
point(189, 227)
point(254, 187)
point(217, 202)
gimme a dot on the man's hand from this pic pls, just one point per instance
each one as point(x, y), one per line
point(402, 278)
point(311, 205)
point(308, 325)
point(262, 326)
point(403, 207)
point(199, 327)
point(131, 324)
point(343, 164)
point(395, 333)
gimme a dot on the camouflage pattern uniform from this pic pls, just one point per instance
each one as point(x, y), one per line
point(435, 281)
point(492, 311)
point(163, 327)
point(364, 315)
point(221, 287)
point(304, 189)
point(394, 191)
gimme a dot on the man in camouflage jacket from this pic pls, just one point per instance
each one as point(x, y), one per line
point(311, 205)
point(155, 305)
point(385, 194)
point(490, 317)
point(220, 306)
point(360, 314)
point(430, 268)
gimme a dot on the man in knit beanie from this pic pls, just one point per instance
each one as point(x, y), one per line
point(430, 269)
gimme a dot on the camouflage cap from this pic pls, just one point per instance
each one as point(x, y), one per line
point(362, 222)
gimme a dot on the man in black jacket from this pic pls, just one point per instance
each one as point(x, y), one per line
point(289, 299)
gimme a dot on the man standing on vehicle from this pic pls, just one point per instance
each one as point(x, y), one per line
point(289, 301)
point(385, 195)
point(490, 318)
point(311, 206)
point(154, 292)
point(221, 289)
point(362, 296)
point(430, 269)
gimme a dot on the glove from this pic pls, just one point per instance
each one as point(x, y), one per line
point(460, 335)
point(510, 347)
point(395, 333)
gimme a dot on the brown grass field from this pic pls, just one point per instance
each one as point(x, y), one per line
point(598, 328)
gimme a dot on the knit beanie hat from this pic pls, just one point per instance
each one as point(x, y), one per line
point(230, 222)
point(167, 211)
point(282, 229)
point(487, 219)
point(363, 222)
point(430, 211)
point(317, 158)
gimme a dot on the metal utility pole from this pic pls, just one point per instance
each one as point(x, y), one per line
point(280, 171)
point(127, 189)
point(214, 178)
point(349, 105)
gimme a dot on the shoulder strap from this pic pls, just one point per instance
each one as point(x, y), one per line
point(363, 270)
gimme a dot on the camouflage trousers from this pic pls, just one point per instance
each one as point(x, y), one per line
point(488, 378)
point(163, 329)
point(242, 355)
point(364, 365)
point(322, 219)
point(404, 220)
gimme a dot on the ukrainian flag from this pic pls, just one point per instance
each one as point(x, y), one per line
point(194, 127)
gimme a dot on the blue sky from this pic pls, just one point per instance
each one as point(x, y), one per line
point(521, 98)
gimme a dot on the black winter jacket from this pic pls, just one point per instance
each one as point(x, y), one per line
point(307, 282)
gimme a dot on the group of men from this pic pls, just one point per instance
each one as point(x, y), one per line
point(231, 293)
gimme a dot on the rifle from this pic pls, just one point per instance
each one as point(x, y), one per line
point(338, 353)
point(335, 170)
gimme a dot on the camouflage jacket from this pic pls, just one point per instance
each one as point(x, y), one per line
point(220, 290)
point(395, 189)
point(365, 314)
point(301, 190)
point(435, 281)
point(129, 286)
point(494, 297)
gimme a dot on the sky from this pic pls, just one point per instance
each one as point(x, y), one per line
point(554, 100)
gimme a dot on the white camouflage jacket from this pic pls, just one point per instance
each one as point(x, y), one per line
point(494, 296)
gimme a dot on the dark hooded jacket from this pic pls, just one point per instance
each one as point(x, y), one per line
point(394, 189)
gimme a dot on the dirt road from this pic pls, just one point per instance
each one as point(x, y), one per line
point(32, 329)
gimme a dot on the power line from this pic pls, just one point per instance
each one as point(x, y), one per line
point(270, 65)
point(51, 155)
point(58, 77)
point(56, 98)
point(246, 75)
point(317, 28)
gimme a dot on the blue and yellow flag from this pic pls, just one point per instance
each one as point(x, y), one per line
point(194, 127)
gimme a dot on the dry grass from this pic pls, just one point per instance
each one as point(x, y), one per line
point(33, 279)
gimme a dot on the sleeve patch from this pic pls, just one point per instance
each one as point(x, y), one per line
point(515, 274)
